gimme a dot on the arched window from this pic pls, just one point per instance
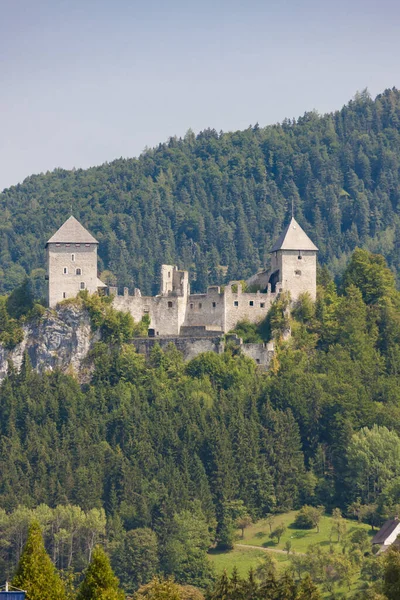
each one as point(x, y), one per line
point(78, 271)
point(65, 270)
point(73, 257)
point(82, 285)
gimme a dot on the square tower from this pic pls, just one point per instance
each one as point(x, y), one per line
point(71, 262)
point(294, 262)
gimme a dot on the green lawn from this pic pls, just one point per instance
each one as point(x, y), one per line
point(258, 533)
point(242, 558)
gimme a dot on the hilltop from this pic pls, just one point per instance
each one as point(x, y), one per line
point(213, 203)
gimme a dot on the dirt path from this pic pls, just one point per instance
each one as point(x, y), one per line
point(265, 549)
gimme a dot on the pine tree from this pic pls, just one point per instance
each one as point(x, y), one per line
point(35, 572)
point(308, 590)
point(100, 583)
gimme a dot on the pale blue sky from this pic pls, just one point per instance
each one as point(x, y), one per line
point(86, 81)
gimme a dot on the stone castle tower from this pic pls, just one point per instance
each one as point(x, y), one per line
point(294, 262)
point(71, 262)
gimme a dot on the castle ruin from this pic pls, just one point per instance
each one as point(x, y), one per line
point(175, 312)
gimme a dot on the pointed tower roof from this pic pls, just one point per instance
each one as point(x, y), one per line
point(72, 232)
point(293, 237)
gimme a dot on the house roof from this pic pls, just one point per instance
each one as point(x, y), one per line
point(72, 232)
point(385, 531)
point(293, 237)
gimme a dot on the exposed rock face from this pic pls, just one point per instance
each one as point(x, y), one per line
point(61, 339)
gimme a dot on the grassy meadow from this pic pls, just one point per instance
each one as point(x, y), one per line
point(244, 556)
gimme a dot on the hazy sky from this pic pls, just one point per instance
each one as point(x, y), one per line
point(86, 81)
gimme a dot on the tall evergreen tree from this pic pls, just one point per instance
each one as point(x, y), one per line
point(36, 573)
point(99, 582)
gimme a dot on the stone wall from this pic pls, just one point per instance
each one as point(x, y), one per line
point(189, 347)
point(167, 313)
point(241, 306)
point(298, 273)
point(70, 257)
point(206, 309)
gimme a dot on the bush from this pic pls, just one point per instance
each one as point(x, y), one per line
point(303, 521)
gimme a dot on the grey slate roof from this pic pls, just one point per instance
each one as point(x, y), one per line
point(385, 531)
point(72, 232)
point(293, 237)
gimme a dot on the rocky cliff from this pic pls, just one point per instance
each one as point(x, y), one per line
point(63, 337)
point(60, 339)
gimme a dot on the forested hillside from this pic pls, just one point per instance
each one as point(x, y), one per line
point(217, 200)
point(166, 456)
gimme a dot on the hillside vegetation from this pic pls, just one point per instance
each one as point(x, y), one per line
point(173, 456)
point(219, 199)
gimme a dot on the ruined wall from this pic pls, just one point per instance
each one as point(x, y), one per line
point(190, 347)
point(261, 353)
point(166, 313)
point(241, 306)
point(70, 257)
point(206, 309)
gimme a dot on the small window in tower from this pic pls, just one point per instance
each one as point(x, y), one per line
point(65, 270)
point(191, 306)
point(73, 257)
point(82, 285)
point(169, 274)
point(236, 303)
point(169, 304)
point(64, 295)
point(262, 304)
point(146, 310)
point(297, 272)
point(78, 271)
point(200, 305)
point(251, 303)
point(214, 304)
point(67, 245)
point(299, 256)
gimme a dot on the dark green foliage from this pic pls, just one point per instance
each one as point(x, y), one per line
point(215, 200)
point(308, 517)
point(116, 326)
point(11, 332)
point(20, 301)
point(136, 558)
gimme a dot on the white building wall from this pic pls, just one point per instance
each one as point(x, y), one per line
point(70, 257)
point(393, 536)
